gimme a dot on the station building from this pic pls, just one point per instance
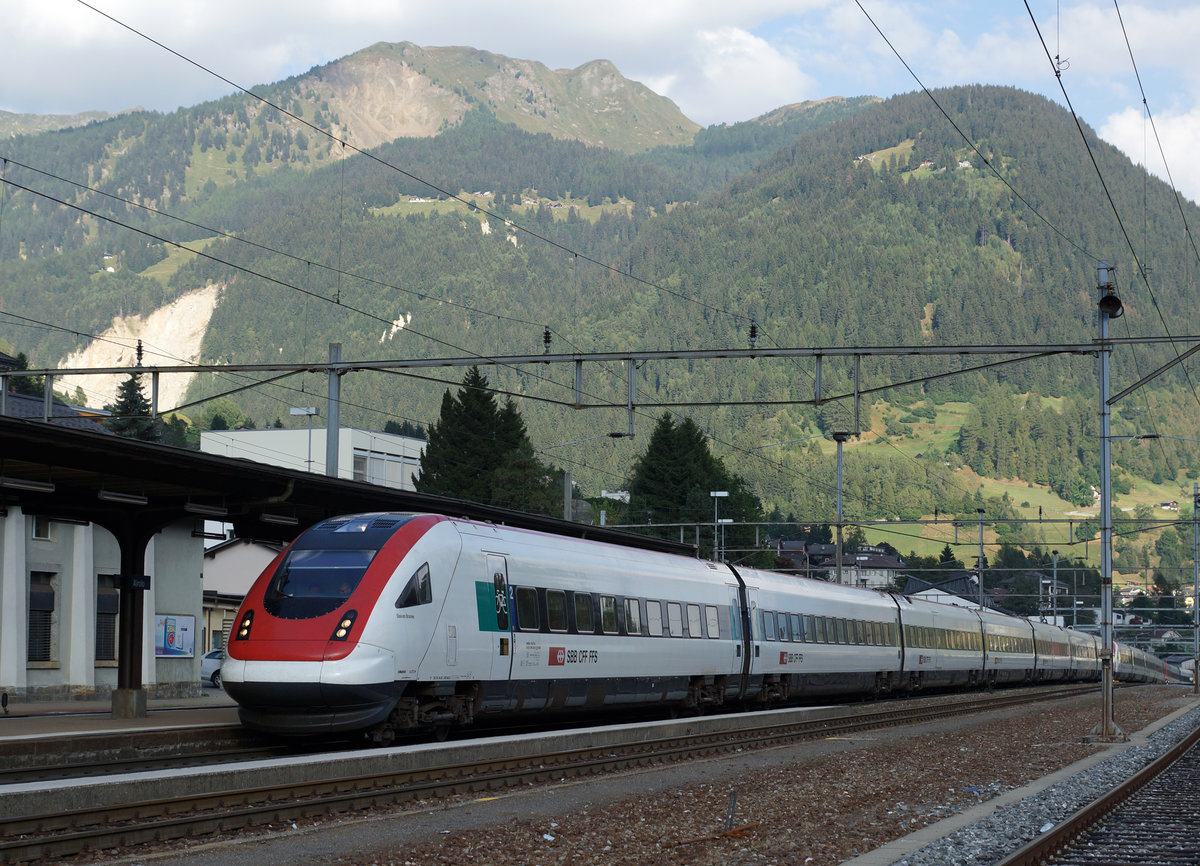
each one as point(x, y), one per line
point(59, 592)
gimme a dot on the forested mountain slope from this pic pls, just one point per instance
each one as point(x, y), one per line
point(853, 223)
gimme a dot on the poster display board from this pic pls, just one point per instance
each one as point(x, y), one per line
point(174, 635)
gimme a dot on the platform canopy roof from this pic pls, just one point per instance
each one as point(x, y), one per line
point(86, 475)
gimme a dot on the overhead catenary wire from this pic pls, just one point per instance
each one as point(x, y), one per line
point(1108, 196)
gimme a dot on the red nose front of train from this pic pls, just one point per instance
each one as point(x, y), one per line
point(302, 658)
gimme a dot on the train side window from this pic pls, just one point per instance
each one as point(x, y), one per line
point(822, 633)
point(714, 620)
point(675, 618)
point(797, 628)
point(585, 621)
point(556, 609)
point(654, 618)
point(608, 614)
point(858, 633)
point(781, 624)
point(841, 632)
point(527, 608)
point(418, 590)
point(633, 616)
point(810, 629)
point(695, 629)
point(767, 619)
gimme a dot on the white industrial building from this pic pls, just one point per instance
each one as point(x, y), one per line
point(385, 459)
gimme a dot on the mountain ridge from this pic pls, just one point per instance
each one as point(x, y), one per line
point(778, 221)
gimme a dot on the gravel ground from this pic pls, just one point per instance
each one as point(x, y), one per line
point(810, 804)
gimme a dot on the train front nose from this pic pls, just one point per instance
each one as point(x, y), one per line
point(277, 693)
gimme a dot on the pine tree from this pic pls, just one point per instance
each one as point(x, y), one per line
point(130, 415)
point(673, 481)
point(481, 452)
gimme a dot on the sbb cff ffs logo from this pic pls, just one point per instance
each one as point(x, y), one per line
point(558, 655)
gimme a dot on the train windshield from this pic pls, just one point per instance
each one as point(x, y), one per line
point(312, 582)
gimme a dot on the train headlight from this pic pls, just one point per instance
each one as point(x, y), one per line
point(243, 629)
point(343, 627)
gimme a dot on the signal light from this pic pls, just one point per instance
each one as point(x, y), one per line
point(343, 627)
point(243, 630)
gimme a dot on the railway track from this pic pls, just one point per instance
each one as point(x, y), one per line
point(326, 790)
point(1150, 820)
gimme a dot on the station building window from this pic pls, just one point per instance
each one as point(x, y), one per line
point(41, 644)
point(107, 605)
point(42, 528)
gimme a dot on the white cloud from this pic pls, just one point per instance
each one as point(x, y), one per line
point(736, 76)
point(1129, 131)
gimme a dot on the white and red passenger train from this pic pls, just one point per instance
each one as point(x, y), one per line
point(400, 622)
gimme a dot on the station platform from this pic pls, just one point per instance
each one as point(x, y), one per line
point(30, 720)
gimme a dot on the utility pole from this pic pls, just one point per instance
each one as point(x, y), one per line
point(839, 438)
point(980, 511)
point(717, 496)
point(1054, 589)
point(1110, 307)
point(1195, 588)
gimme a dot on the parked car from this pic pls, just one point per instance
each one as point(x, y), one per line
point(210, 667)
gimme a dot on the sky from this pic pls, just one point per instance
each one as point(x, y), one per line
point(721, 62)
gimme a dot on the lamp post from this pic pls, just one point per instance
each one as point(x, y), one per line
point(308, 411)
point(717, 496)
point(724, 521)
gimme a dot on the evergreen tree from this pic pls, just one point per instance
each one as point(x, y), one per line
point(130, 415)
point(673, 481)
point(479, 451)
point(30, 386)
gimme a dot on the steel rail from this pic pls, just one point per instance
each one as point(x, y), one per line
point(1044, 848)
point(37, 837)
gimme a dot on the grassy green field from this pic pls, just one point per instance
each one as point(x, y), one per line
point(176, 258)
point(1031, 501)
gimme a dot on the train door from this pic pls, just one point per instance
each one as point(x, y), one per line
point(497, 569)
point(752, 616)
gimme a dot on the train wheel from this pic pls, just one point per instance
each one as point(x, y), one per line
point(441, 733)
